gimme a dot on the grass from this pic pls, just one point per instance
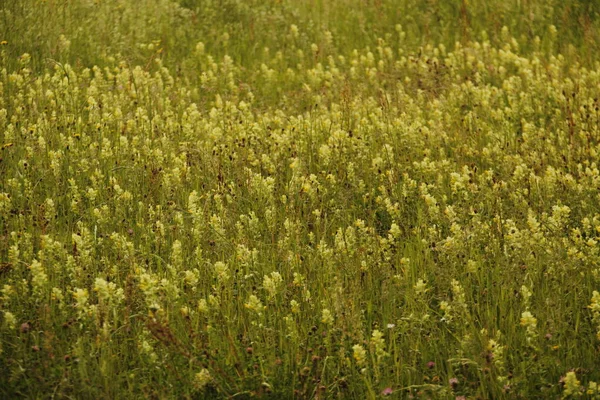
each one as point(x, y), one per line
point(308, 199)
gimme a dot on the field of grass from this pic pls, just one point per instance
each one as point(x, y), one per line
point(304, 199)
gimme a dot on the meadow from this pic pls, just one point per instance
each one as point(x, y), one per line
point(299, 199)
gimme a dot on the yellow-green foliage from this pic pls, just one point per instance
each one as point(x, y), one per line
point(299, 199)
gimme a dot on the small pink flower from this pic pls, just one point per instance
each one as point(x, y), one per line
point(453, 382)
point(430, 364)
point(387, 391)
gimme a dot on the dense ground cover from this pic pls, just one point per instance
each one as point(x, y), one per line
point(299, 199)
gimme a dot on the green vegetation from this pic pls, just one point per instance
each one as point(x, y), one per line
point(299, 199)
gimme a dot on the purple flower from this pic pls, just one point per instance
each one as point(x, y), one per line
point(387, 391)
point(25, 327)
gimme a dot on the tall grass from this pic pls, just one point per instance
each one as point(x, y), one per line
point(308, 199)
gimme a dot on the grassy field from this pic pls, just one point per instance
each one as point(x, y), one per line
point(304, 199)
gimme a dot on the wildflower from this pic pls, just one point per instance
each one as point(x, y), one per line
point(214, 302)
point(39, 278)
point(295, 306)
point(271, 283)
point(10, 321)
point(572, 385)
point(146, 348)
point(496, 352)
point(378, 342)
point(326, 317)
point(458, 294)
point(193, 201)
point(107, 291)
point(528, 320)
point(254, 304)
point(155, 308)
point(472, 266)
point(191, 278)
point(81, 297)
point(298, 279)
point(25, 327)
point(593, 389)
point(202, 306)
point(595, 307)
point(24, 59)
point(4, 203)
point(447, 309)
point(453, 382)
point(202, 379)
point(314, 48)
point(222, 272)
point(395, 231)
point(421, 287)
point(359, 354)
point(177, 254)
point(185, 311)
point(7, 292)
point(530, 323)
point(526, 294)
